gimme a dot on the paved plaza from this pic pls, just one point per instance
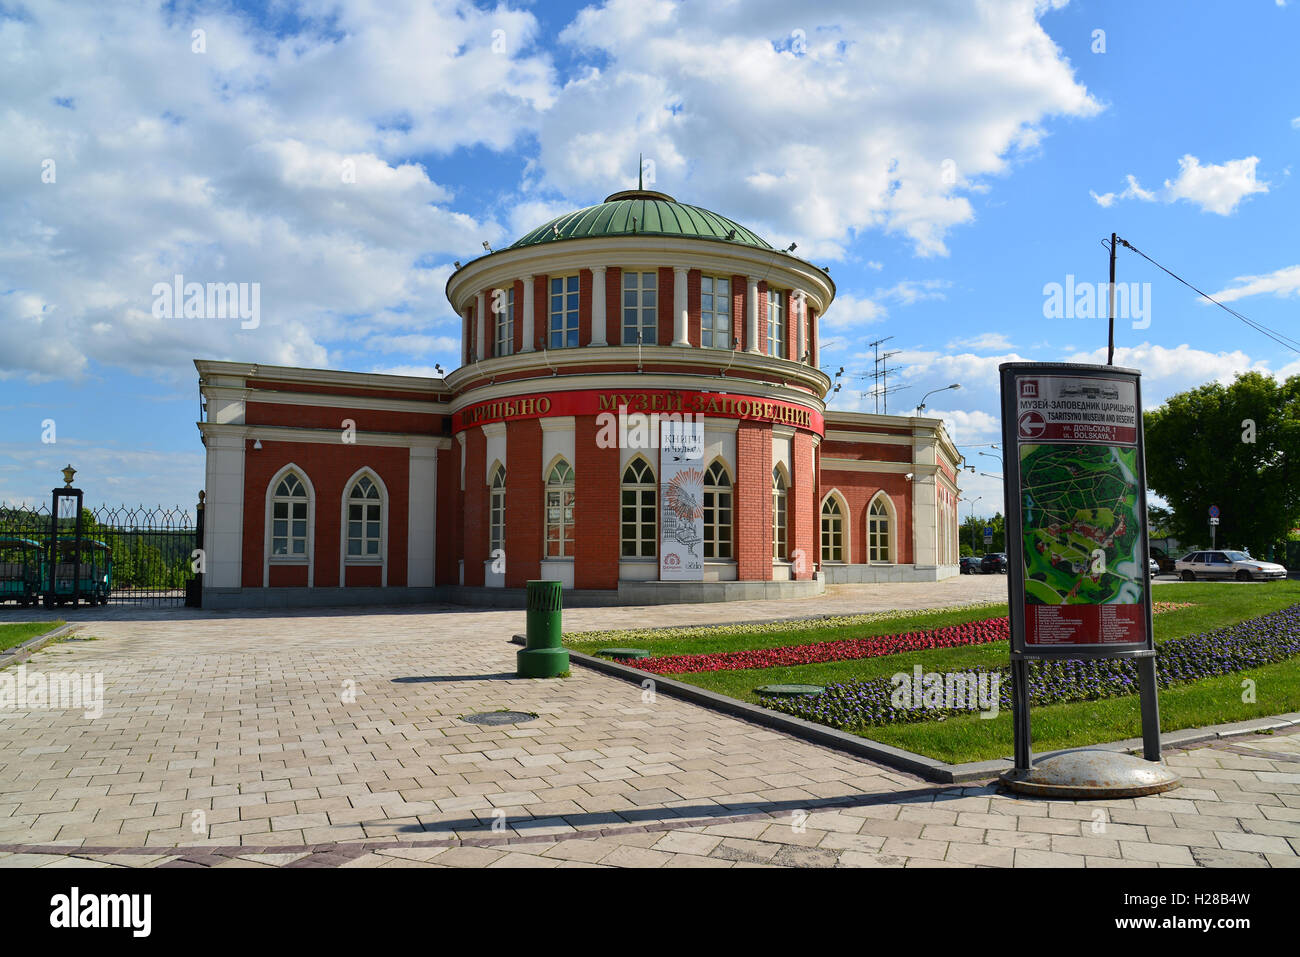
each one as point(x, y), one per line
point(335, 738)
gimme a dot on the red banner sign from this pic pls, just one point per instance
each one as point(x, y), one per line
point(661, 402)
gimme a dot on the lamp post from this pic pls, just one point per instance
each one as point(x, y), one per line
point(955, 385)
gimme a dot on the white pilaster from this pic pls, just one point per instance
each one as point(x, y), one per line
point(421, 517)
point(529, 334)
point(598, 306)
point(223, 512)
point(751, 315)
point(681, 313)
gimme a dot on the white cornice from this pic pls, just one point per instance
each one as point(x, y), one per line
point(735, 364)
point(324, 377)
point(867, 465)
point(435, 406)
point(283, 433)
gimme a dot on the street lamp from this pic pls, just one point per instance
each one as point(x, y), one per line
point(955, 385)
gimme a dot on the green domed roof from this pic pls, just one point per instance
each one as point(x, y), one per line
point(641, 212)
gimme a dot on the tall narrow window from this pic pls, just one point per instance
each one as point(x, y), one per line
point(289, 519)
point(364, 526)
point(776, 323)
point(505, 337)
point(878, 531)
point(559, 511)
point(640, 497)
point(564, 312)
point(779, 493)
point(497, 511)
point(640, 310)
point(717, 512)
point(715, 313)
point(832, 531)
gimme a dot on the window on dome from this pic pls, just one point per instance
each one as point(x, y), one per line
point(640, 312)
point(564, 312)
point(715, 312)
point(776, 323)
point(505, 335)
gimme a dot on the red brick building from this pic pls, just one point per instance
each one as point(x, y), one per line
point(541, 456)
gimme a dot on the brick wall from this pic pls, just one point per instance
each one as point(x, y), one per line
point(519, 315)
point(584, 307)
point(791, 327)
point(665, 331)
point(476, 499)
point(541, 309)
point(803, 505)
point(449, 527)
point(523, 502)
point(753, 516)
point(858, 489)
point(596, 528)
point(614, 305)
point(693, 306)
point(328, 467)
point(739, 297)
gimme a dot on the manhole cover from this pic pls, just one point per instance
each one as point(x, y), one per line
point(624, 654)
point(499, 717)
point(789, 691)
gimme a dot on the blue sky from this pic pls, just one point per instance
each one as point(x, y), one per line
point(946, 160)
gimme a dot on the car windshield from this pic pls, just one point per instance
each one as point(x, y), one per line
point(1238, 557)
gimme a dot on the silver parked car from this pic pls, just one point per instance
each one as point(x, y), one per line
point(1226, 564)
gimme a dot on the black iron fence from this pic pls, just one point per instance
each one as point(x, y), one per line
point(148, 556)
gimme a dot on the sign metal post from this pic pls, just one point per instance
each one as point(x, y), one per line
point(1076, 543)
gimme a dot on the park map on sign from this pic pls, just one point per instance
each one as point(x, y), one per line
point(1081, 525)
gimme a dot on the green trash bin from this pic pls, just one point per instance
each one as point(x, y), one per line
point(543, 656)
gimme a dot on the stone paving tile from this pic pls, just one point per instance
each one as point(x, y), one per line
point(202, 714)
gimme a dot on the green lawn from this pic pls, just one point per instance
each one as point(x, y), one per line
point(964, 738)
point(17, 633)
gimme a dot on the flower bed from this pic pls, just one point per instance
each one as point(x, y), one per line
point(848, 649)
point(1265, 640)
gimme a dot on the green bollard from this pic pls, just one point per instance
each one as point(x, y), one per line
point(543, 657)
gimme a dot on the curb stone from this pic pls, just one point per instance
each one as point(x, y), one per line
point(20, 653)
point(926, 768)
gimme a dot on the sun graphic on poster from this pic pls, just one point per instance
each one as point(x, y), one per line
point(683, 495)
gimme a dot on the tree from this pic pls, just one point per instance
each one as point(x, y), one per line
point(1235, 446)
point(972, 534)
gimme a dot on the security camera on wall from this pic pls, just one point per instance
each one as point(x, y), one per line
point(908, 476)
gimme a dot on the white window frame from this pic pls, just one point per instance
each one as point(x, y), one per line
point(842, 504)
point(364, 560)
point(569, 286)
point(891, 528)
point(780, 515)
point(567, 508)
point(270, 497)
point(776, 323)
point(709, 317)
point(713, 537)
point(505, 326)
point(496, 509)
point(639, 308)
point(646, 492)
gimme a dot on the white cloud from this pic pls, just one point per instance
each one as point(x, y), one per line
point(1215, 189)
point(277, 161)
point(983, 342)
point(1281, 283)
point(927, 103)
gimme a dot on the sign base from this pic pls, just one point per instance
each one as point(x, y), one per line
point(1091, 773)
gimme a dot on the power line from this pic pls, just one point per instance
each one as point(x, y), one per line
point(1283, 340)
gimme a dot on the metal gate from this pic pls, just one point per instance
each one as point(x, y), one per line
point(150, 547)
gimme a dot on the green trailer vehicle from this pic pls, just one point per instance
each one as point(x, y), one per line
point(93, 577)
point(20, 570)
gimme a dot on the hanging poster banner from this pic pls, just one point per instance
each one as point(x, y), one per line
point(681, 492)
point(1076, 510)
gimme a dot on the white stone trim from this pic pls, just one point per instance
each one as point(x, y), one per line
point(422, 518)
point(751, 315)
point(223, 511)
point(598, 317)
point(285, 433)
point(681, 308)
point(267, 498)
point(530, 320)
point(383, 527)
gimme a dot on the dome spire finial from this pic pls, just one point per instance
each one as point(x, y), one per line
point(640, 165)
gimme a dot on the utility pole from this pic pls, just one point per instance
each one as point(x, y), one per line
point(1110, 346)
